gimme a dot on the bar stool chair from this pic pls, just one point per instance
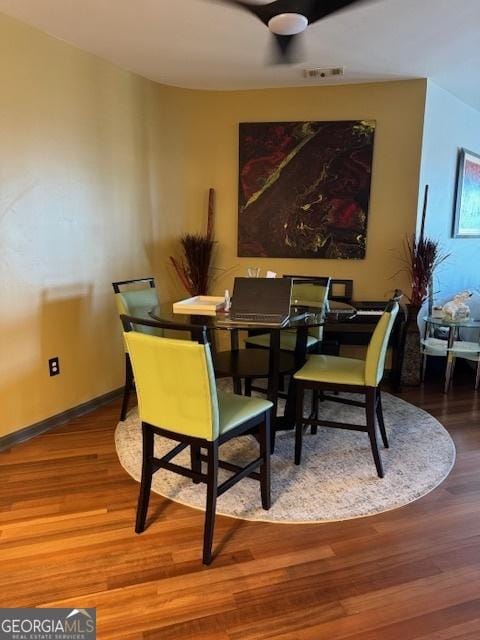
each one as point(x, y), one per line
point(178, 400)
point(333, 373)
point(134, 298)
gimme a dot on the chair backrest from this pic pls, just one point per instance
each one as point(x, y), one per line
point(136, 303)
point(377, 348)
point(137, 283)
point(310, 291)
point(136, 298)
point(174, 379)
point(341, 290)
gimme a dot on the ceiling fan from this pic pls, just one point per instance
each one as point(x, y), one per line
point(287, 19)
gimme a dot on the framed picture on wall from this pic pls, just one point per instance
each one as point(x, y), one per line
point(467, 206)
point(304, 189)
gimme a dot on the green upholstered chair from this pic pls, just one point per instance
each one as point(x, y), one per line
point(178, 399)
point(134, 298)
point(309, 291)
point(333, 373)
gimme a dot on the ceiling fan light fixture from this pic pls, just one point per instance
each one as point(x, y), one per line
point(288, 24)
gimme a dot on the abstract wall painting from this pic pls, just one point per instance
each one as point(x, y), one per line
point(304, 189)
point(466, 222)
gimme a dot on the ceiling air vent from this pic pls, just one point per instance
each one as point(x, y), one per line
point(323, 73)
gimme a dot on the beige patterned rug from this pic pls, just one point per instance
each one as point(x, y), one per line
point(337, 478)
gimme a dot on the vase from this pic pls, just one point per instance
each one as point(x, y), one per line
point(412, 356)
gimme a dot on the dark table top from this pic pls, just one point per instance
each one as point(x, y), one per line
point(300, 317)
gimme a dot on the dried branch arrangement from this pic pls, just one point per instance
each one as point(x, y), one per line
point(194, 266)
point(422, 256)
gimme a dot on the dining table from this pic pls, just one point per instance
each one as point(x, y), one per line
point(255, 363)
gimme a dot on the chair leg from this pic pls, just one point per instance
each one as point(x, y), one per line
point(265, 468)
point(449, 373)
point(196, 463)
point(212, 482)
point(370, 411)
point(146, 482)
point(381, 422)
point(315, 401)
point(272, 385)
point(127, 388)
point(477, 377)
point(248, 387)
point(299, 423)
point(273, 434)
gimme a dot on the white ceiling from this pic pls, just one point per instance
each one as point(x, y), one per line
point(210, 45)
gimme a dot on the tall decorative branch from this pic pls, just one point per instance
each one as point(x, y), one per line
point(211, 213)
point(422, 256)
point(194, 266)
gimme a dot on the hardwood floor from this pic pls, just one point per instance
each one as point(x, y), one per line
point(66, 539)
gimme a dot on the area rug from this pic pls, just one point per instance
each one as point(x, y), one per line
point(337, 478)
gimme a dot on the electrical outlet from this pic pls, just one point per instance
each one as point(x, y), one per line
point(321, 73)
point(54, 366)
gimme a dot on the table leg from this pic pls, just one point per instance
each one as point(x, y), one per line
point(424, 366)
point(273, 378)
point(450, 359)
point(289, 418)
point(234, 346)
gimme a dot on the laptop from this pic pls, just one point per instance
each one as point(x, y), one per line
point(262, 301)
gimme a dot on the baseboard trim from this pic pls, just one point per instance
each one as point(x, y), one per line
point(12, 439)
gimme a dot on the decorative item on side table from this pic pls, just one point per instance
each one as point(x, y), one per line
point(467, 207)
point(456, 309)
point(194, 267)
point(422, 257)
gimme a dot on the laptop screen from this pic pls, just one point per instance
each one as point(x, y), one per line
point(261, 295)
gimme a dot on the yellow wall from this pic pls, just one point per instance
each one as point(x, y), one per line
point(76, 195)
point(101, 171)
point(212, 119)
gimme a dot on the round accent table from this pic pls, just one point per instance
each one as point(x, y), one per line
point(449, 348)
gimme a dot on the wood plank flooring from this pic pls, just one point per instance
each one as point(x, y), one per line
point(66, 539)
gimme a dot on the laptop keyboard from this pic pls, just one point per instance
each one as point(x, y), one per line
point(258, 317)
